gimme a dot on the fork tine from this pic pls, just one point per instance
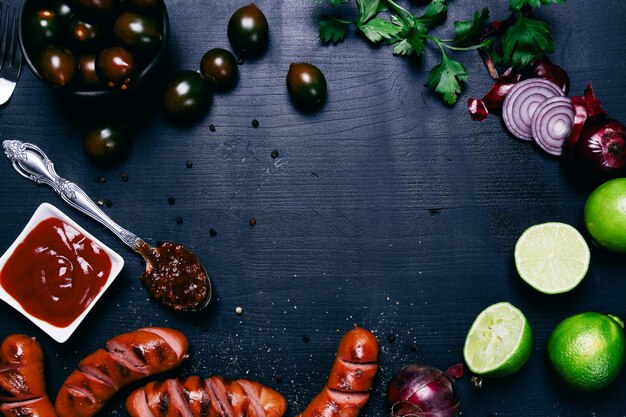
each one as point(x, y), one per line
point(16, 62)
point(5, 22)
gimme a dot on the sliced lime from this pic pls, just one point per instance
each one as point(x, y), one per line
point(552, 257)
point(499, 342)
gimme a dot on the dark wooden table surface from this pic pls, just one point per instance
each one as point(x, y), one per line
point(386, 209)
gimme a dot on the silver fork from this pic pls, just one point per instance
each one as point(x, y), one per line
point(10, 52)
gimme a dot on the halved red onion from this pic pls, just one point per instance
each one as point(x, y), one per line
point(522, 101)
point(552, 124)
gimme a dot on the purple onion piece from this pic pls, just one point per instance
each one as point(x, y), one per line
point(543, 68)
point(521, 103)
point(552, 124)
point(492, 102)
point(477, 108)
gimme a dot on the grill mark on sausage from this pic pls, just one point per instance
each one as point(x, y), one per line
point(164, 403)
point(160, 352)
point(138, 351)
point(13, 384)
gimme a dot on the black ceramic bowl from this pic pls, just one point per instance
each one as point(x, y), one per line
point(146, 72)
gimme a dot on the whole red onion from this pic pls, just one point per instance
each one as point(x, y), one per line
point(424, 391)
point(596, 147)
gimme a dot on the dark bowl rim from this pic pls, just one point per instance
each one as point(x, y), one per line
point(97, 93)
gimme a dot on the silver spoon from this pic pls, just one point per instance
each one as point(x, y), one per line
point(173, 274)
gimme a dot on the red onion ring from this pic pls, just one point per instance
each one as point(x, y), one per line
point(521, 103)
point(552, 123)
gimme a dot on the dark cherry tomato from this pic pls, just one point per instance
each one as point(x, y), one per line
point(219, 68)
point(57, 65)
point(43, 28)
point(107, 144)
point(248, 31)
point(83, 35)
point(115, 66)
point(137, 31)
point(96, 7)
point(63, 9)
point(87, 67)
point(306, 85)
point(187, 96)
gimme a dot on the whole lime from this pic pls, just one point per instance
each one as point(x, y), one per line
point(605, 215)
point(588, 350)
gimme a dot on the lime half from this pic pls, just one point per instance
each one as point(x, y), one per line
point(499, 342)
point(552, 257)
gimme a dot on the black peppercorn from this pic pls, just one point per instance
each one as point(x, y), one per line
point(255, 123)
point(274, 154)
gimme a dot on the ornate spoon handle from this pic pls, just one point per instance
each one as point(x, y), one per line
point(31, 163)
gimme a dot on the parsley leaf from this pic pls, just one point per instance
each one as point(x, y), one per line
point(526, 40)
point(446, 78)
point(470, 31)
point(333, 29)
point(378, 29)
point(416, 38)
point(369, 9)
point(403, 47)
point(435, 13)
point(517, 5)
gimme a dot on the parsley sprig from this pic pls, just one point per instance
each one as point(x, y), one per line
point(516, 41)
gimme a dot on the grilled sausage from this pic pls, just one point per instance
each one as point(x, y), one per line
point(22, 382)
point(126, 358)
point(210, 397)
point(348, 387)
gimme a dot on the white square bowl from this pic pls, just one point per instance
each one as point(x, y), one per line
point(43, 212)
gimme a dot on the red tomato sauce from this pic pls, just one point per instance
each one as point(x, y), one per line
point(56, 272)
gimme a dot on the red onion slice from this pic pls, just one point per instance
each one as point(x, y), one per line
point(522, 101)
point(552, 124)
